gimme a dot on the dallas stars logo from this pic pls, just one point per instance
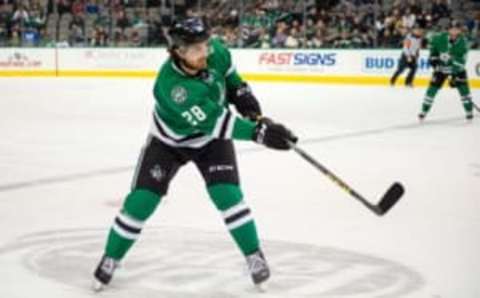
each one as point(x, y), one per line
point(156, 173)
point(179, 94)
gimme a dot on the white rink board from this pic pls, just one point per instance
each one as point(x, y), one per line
point(12, 59)
point(111, 59)
point(320, 63)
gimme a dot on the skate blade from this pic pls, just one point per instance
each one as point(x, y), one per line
point(97, 286)
point(261, 287)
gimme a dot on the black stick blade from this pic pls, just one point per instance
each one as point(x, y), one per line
point(391, 197)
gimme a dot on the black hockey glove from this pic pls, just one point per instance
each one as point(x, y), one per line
point(458, 78)
point(273, 135)
point(245, 102)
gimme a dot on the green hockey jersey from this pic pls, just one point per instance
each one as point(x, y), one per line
point(190, 111)
point(452, 56)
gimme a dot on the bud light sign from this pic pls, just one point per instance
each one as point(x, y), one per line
point(291, 61)
point(388, 64)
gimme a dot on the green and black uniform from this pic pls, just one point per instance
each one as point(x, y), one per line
point(448, 58)
point(191, 122)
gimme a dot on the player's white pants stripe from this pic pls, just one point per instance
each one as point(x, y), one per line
point(239, 222)
point(127, 227)
point(131, 222)
point(234, 209)
point(237, 216)
point(428, 100)
point(124, 233)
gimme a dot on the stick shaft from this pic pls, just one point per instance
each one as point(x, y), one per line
point(476, 107)
point(335, 178)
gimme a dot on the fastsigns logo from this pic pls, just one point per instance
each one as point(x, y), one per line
point(297, 59)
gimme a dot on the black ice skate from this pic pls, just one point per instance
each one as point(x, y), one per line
point(469, 116)
point(104, 272)
point(421, 116)
point(258, 268)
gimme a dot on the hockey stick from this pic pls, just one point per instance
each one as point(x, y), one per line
point(393, 194)
point(476, 107)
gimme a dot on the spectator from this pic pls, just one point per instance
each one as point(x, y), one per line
point(316, 41)
point(292, 40)
point(77, 31)
point(440, 10)
point(409, 19)
point(136, 39)
point(15, 40)
point(280, 37)
point(30, 37)
point(264, 23)
point(37, 17)
point(64, 7)
point(123, 22)
point(4, 24)
point(344, 41)
point(46, 39)
point(99, 37)
point(120, 38)
point(78, 7)
point(91, 7)
point(20, 15)
point(138, 20)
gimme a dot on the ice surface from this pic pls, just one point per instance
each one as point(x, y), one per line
point(67, 152)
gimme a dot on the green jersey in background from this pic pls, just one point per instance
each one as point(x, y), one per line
point(452, 55)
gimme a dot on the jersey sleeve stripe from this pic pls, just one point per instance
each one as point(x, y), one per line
point(225, 125)
point(194, 141)
point(230, 70)
point(218, 125)
point(231, 125)
point(168, 133)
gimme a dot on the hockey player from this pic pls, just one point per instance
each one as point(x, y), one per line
point(192, 122)
point(409, 58)
point(448, 56)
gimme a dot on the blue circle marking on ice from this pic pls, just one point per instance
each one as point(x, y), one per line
point(183, 262)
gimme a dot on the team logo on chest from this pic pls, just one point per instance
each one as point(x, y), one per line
point(179, 94)
point(156, 173)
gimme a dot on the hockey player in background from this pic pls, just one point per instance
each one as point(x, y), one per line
point(411, 50)
point(192, 122)
point(448, 56)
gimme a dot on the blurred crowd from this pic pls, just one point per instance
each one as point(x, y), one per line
point(245, 23)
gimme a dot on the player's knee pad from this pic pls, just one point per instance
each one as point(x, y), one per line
point(224, 196)
point(140, 204)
